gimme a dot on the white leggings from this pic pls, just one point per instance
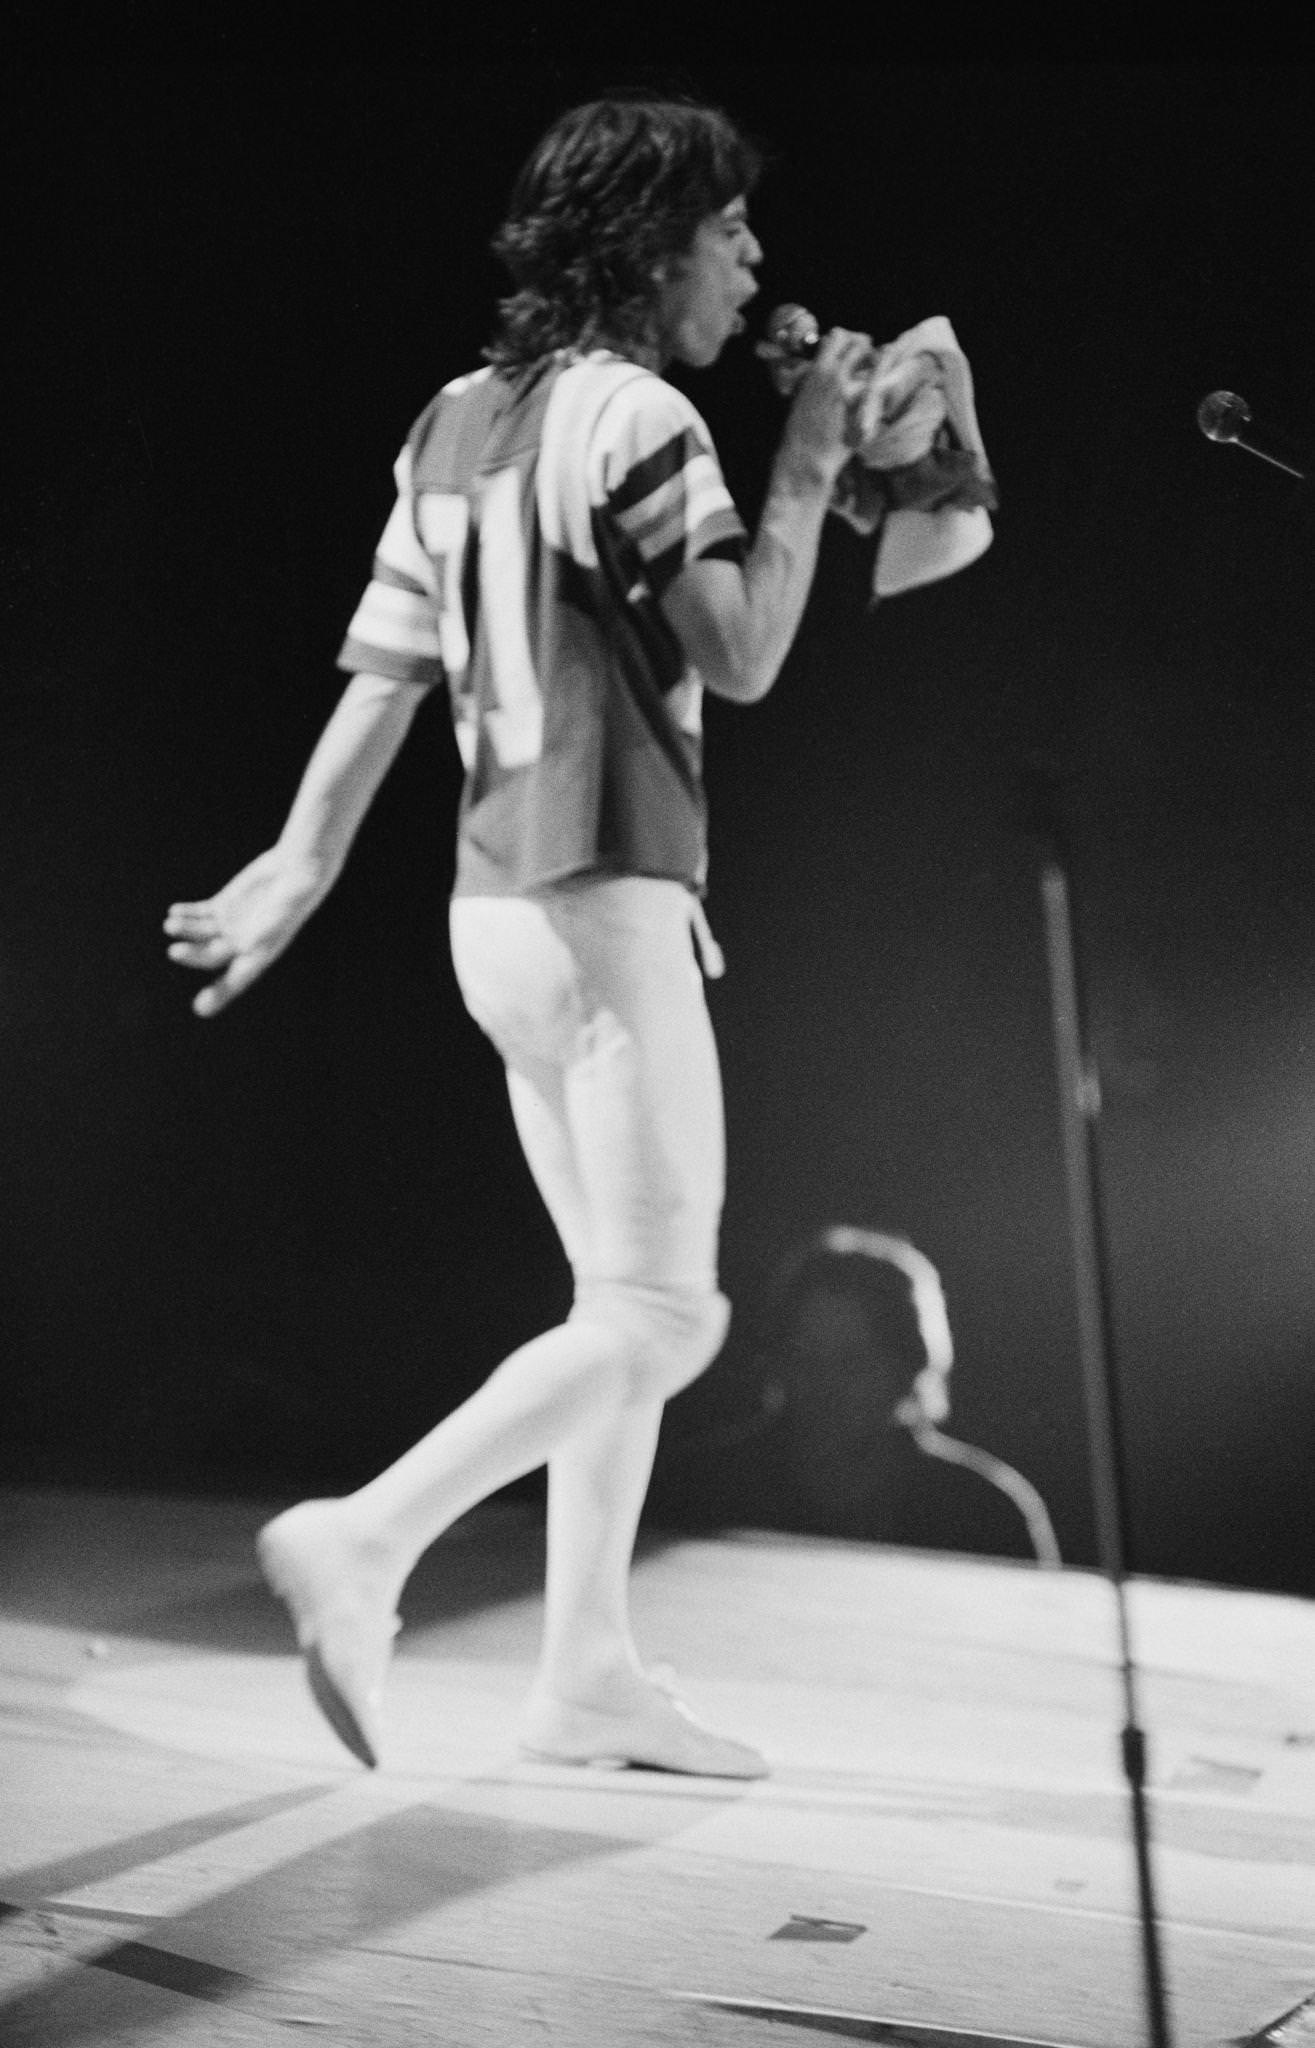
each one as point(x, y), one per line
point(592, 995)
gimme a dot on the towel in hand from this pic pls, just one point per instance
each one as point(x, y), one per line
point(919, 477)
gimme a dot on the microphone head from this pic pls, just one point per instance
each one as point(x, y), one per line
point(790, 341)
point(793, 331)
point(1222, 416)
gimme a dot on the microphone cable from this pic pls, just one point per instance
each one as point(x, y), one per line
point(934, 1443)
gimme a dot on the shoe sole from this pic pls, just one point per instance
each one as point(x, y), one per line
point(614, 1761)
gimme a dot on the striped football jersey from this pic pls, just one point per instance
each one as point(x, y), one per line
point(537, 524)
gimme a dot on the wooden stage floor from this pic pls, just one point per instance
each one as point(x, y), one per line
point(940, 1859)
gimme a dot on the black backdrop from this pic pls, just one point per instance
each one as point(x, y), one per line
point(268, 1250)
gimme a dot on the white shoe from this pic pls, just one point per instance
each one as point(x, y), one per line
point(344, 1620)
point(660, 1734)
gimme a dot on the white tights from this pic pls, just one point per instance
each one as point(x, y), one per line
point(593, 997)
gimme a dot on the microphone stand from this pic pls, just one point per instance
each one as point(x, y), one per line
point(1080, 1104)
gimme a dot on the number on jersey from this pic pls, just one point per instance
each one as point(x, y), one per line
point(514, 720)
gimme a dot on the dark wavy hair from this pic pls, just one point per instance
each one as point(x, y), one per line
point(613, 188)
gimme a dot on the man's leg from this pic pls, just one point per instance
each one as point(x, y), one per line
point(644, 1124)
point(597, 1481)
point(340, 1565)
point(586, 1396)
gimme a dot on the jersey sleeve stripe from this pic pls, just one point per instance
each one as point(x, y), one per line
point(399, 546)
point(686, 522)
point(394, 631)
point(652, 471)
point(398, 620)
point(722, 530)
point(396, 579)
point(689, 494)
point(397, 609)
point(721, 536)
point(728, 547)
point(360, 657)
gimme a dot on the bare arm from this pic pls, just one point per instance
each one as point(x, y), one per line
point(355, 751)
point(255, 917)
point(737, 624)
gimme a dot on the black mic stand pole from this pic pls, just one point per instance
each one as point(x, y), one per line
point(1079, 1093)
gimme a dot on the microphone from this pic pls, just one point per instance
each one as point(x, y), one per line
point(791, 339)
point(1223, 416)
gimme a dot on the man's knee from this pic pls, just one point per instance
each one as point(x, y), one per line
point(704, 1320)
point(671, 1334)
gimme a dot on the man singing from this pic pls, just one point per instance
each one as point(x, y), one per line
point(565, 559)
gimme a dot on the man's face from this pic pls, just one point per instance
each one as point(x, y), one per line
point(700, 295)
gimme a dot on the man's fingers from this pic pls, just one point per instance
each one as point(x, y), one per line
point(849, 361)
point(203, 953)
point(190, 920)
point(846, 348)
point(245, 969)
point(213, 999)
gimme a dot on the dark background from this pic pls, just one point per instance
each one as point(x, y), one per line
point(265, 1252)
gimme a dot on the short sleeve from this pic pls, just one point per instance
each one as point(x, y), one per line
point(655, 471)
point(395, 629)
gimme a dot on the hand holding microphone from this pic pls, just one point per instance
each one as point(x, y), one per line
point(897, 407)
point(828, 393)
point(913, 467)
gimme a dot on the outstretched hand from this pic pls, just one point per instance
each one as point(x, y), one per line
point(238, 933)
